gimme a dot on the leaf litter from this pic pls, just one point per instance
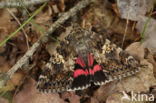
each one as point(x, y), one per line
point(100, 18)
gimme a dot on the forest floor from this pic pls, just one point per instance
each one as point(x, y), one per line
point(28, 34)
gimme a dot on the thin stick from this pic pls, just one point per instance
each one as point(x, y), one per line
point(61, 20)
point(125, 30)
point(25, 34)
point(16, 3)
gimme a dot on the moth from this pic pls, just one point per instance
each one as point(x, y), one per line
point(84, 58)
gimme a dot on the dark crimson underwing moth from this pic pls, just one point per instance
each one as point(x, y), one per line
point(84, 58)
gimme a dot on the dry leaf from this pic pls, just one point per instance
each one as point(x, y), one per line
point(93, 100)
point(116, 98)
point(136, 50)
point(149, 38)
point(132, 9)
point(71, 96)
point(104, 91)
point(13, 82)
point(2, 100)
point(102, 19)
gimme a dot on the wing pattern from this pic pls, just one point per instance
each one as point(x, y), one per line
point(82, 58)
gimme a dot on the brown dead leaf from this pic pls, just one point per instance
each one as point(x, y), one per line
point(2, 100)
point(136, 50)
point(15, 81)
point(6, 29)
point(43, 16)
point(66, 95)
point(29, 94)
point(57, 6)
point(74, 99)
point(132, 9)
point(4, 66)
point(17, 78)
point(116, 9)
point(104, 91)
point(93, 100)
point(116, 98)
point(71, 96)
point(62, 5)
point(149, 57)
point(149, 38)
point(102, 18)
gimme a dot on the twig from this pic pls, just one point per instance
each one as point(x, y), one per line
point(25, 34)
point(16, 3)
point(125, 30)
point(61, 20)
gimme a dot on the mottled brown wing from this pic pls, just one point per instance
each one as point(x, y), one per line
point(115, 62)
point(56, 77)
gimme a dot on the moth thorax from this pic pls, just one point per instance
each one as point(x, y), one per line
point(83, 54)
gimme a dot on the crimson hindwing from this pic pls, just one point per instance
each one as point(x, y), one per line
point(85, 74)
